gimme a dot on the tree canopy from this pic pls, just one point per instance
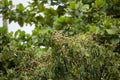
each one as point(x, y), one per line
point(81, 40)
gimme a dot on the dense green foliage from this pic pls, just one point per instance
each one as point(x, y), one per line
point(81, 40)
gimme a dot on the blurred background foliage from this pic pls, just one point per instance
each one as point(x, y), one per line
point(78, 40)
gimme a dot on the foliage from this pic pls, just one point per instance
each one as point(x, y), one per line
point(81, 40)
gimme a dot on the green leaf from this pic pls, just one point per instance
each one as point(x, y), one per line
point(115, 41)
point(110, 31)
point(20, 7)
point(17, 33)
point(21, 23)
point(85, 8)
point(22, 34)
point(107, 23)
point(3, 30)
point(100, 3)
point(40, 7)
point(72, 6)
point(61, 19)
point(6, 3)
point(10, 2)
point(92, 28)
